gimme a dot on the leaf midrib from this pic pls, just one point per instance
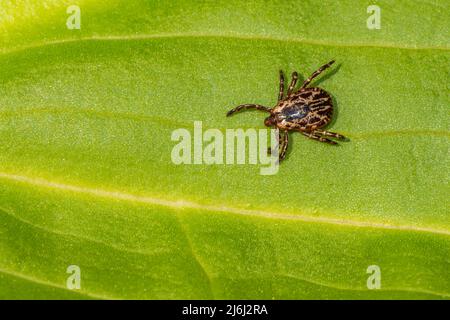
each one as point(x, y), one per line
point(184, 204)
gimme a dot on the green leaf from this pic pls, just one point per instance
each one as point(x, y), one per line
point(86, 175)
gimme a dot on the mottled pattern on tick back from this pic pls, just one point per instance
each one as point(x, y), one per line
point(306, 110)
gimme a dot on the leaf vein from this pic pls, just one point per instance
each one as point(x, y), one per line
point(363, 289)
point(52, 284)
point(222, 36)
point(180, 204)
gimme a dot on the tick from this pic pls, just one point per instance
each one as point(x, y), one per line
point(305, 110)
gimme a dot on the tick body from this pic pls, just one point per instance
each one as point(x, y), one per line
point(305, 110)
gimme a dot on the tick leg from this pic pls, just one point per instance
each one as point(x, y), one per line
point(281, 92)
point(315, 136)
point(293, 82)
point(284, 146)
point(316, 73)
point(269, 149)
point(283, 142)
point(330, 134)
point(247, 106)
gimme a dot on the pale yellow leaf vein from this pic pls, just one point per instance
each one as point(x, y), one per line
point(183, 204)
point(195, 256)
point(391, 289)
point(221, 36)
point(127, 250)
point(52, 284)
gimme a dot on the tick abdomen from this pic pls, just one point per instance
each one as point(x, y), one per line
point(305, 110)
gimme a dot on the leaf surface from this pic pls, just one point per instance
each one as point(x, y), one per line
point(86, 175)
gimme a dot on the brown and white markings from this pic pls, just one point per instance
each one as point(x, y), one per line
point(305, 110)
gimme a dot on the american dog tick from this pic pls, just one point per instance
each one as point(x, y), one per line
point(305, 110)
